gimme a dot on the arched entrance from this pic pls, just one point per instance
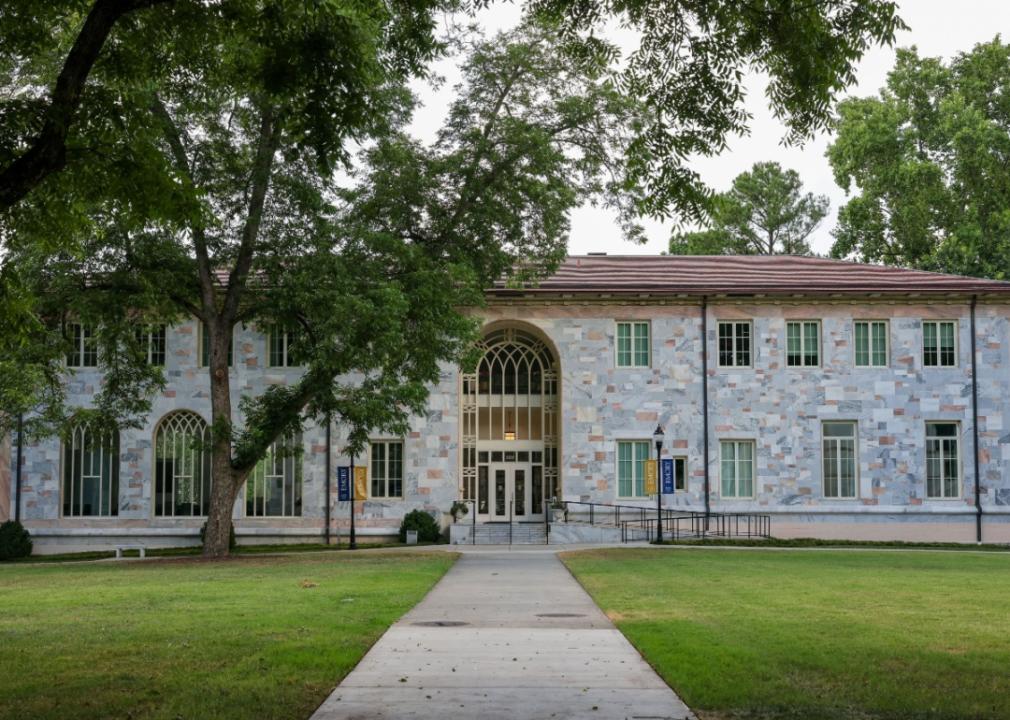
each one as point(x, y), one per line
point(510, 428)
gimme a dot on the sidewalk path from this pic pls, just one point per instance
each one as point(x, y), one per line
point(529, 644)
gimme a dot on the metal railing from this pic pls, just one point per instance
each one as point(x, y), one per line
point(677, 524)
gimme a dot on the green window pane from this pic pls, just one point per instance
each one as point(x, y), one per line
point(742, 344)
point(930, 355)
point(625, 472)
point(794, 348)
point(745, 469)
point(728, 469)
point(641, 455)
point(830, 453)
point(947, 354)
point(642, 344)
point(862, 344)
point(811, 344)
point(624, 344)
point(879, 344)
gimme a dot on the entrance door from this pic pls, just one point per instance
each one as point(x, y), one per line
point(511, 492)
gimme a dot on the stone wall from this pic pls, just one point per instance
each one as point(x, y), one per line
point(781, 409)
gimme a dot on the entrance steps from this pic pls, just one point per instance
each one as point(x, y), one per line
point(498, 534)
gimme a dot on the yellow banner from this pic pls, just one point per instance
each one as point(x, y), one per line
point(360, 482)
point(651, 477)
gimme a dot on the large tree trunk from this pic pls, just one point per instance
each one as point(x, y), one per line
point(226, 480)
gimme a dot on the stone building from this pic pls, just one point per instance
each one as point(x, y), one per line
point(842, 400)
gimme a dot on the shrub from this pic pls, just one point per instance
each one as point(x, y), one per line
point(424, 523)
point(14, 541)
point(231, 535)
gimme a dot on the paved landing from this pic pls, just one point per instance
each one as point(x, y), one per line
point(532, 644)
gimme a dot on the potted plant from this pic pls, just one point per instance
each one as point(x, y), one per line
point(558, 510)
point(458, 510)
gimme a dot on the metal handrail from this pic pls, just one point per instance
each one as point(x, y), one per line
point(701, 526)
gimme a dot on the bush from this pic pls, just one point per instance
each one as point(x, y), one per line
point(424, 523)
point(14, 541)
point(231, 535)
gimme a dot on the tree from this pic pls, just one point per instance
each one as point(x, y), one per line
point(927, 161)
point(200, 179)
point(765, 213)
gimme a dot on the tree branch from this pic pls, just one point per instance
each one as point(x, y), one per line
point(48, 151)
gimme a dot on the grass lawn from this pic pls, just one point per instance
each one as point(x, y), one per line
point(253, 637)
point(815, 634)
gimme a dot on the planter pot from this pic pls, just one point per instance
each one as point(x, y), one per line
point(412, 537)
point(557, 515)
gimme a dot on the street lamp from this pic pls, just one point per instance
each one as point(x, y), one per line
point(657, 437)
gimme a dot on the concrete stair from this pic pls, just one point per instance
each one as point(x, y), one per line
point(521, 534)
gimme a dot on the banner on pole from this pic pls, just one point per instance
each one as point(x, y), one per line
point(666, 473)
point(650, 477)
point(343, 483)
point(360, 482)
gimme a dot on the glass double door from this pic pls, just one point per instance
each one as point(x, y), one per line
point(513, 493)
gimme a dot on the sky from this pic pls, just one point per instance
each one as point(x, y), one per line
point(939, 28)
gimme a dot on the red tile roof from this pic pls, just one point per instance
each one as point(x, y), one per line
point(743, 275)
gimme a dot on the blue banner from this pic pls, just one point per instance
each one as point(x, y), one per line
point(343, 483)
point(666, 473)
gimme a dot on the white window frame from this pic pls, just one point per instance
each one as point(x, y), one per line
point(939, 349)
point(735, 338)
point(73, 476)
point(195, 464)
point(202, 349)
point(679, 482)
point(85, 346)
point(959, 484)
point(286, 339)
point(287, 452)
point(634, 461)
point(870, 345)
point(803, 343)
point(837, 440)
point(634, 335)
point(386, 443)
point(146, 338)
point(736, 469)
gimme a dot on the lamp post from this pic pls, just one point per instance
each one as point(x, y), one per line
point(657, 437)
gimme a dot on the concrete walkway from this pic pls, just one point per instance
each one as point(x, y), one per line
point(505, 634)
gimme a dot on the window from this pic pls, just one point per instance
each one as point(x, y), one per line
point(939, 343)
point(803, 343)
point(871, 343)
point(151, 339)
point(679, 474)
point(274, 488)
point(631, 457)
point(205, 347)
point(734, 344)
point(633, 344)
point(737, 462)
point(838, 449)
point(282, 343)
point(182, 466)
point(90, 472)
point(387, 469)
point(943, 466)
point(84, 346)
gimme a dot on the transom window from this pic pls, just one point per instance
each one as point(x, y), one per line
point(84, 346)
point(838, 447)
point(182, 475)
point(90, 472)
point(274, 488)
point(871, 343)
point(737, 468)
point(205, 346)
point(151, 339)
point(734, 344)
point(803, 343)
point(939, 343)
point(631, 457)
point(282, 342)
point(387, 469)
point(633, 344)
point(943, 464)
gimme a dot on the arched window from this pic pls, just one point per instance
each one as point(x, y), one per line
point(182, 466)
point(274, 488)
point(90, 471)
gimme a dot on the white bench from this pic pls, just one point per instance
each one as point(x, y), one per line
point(120, 548)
